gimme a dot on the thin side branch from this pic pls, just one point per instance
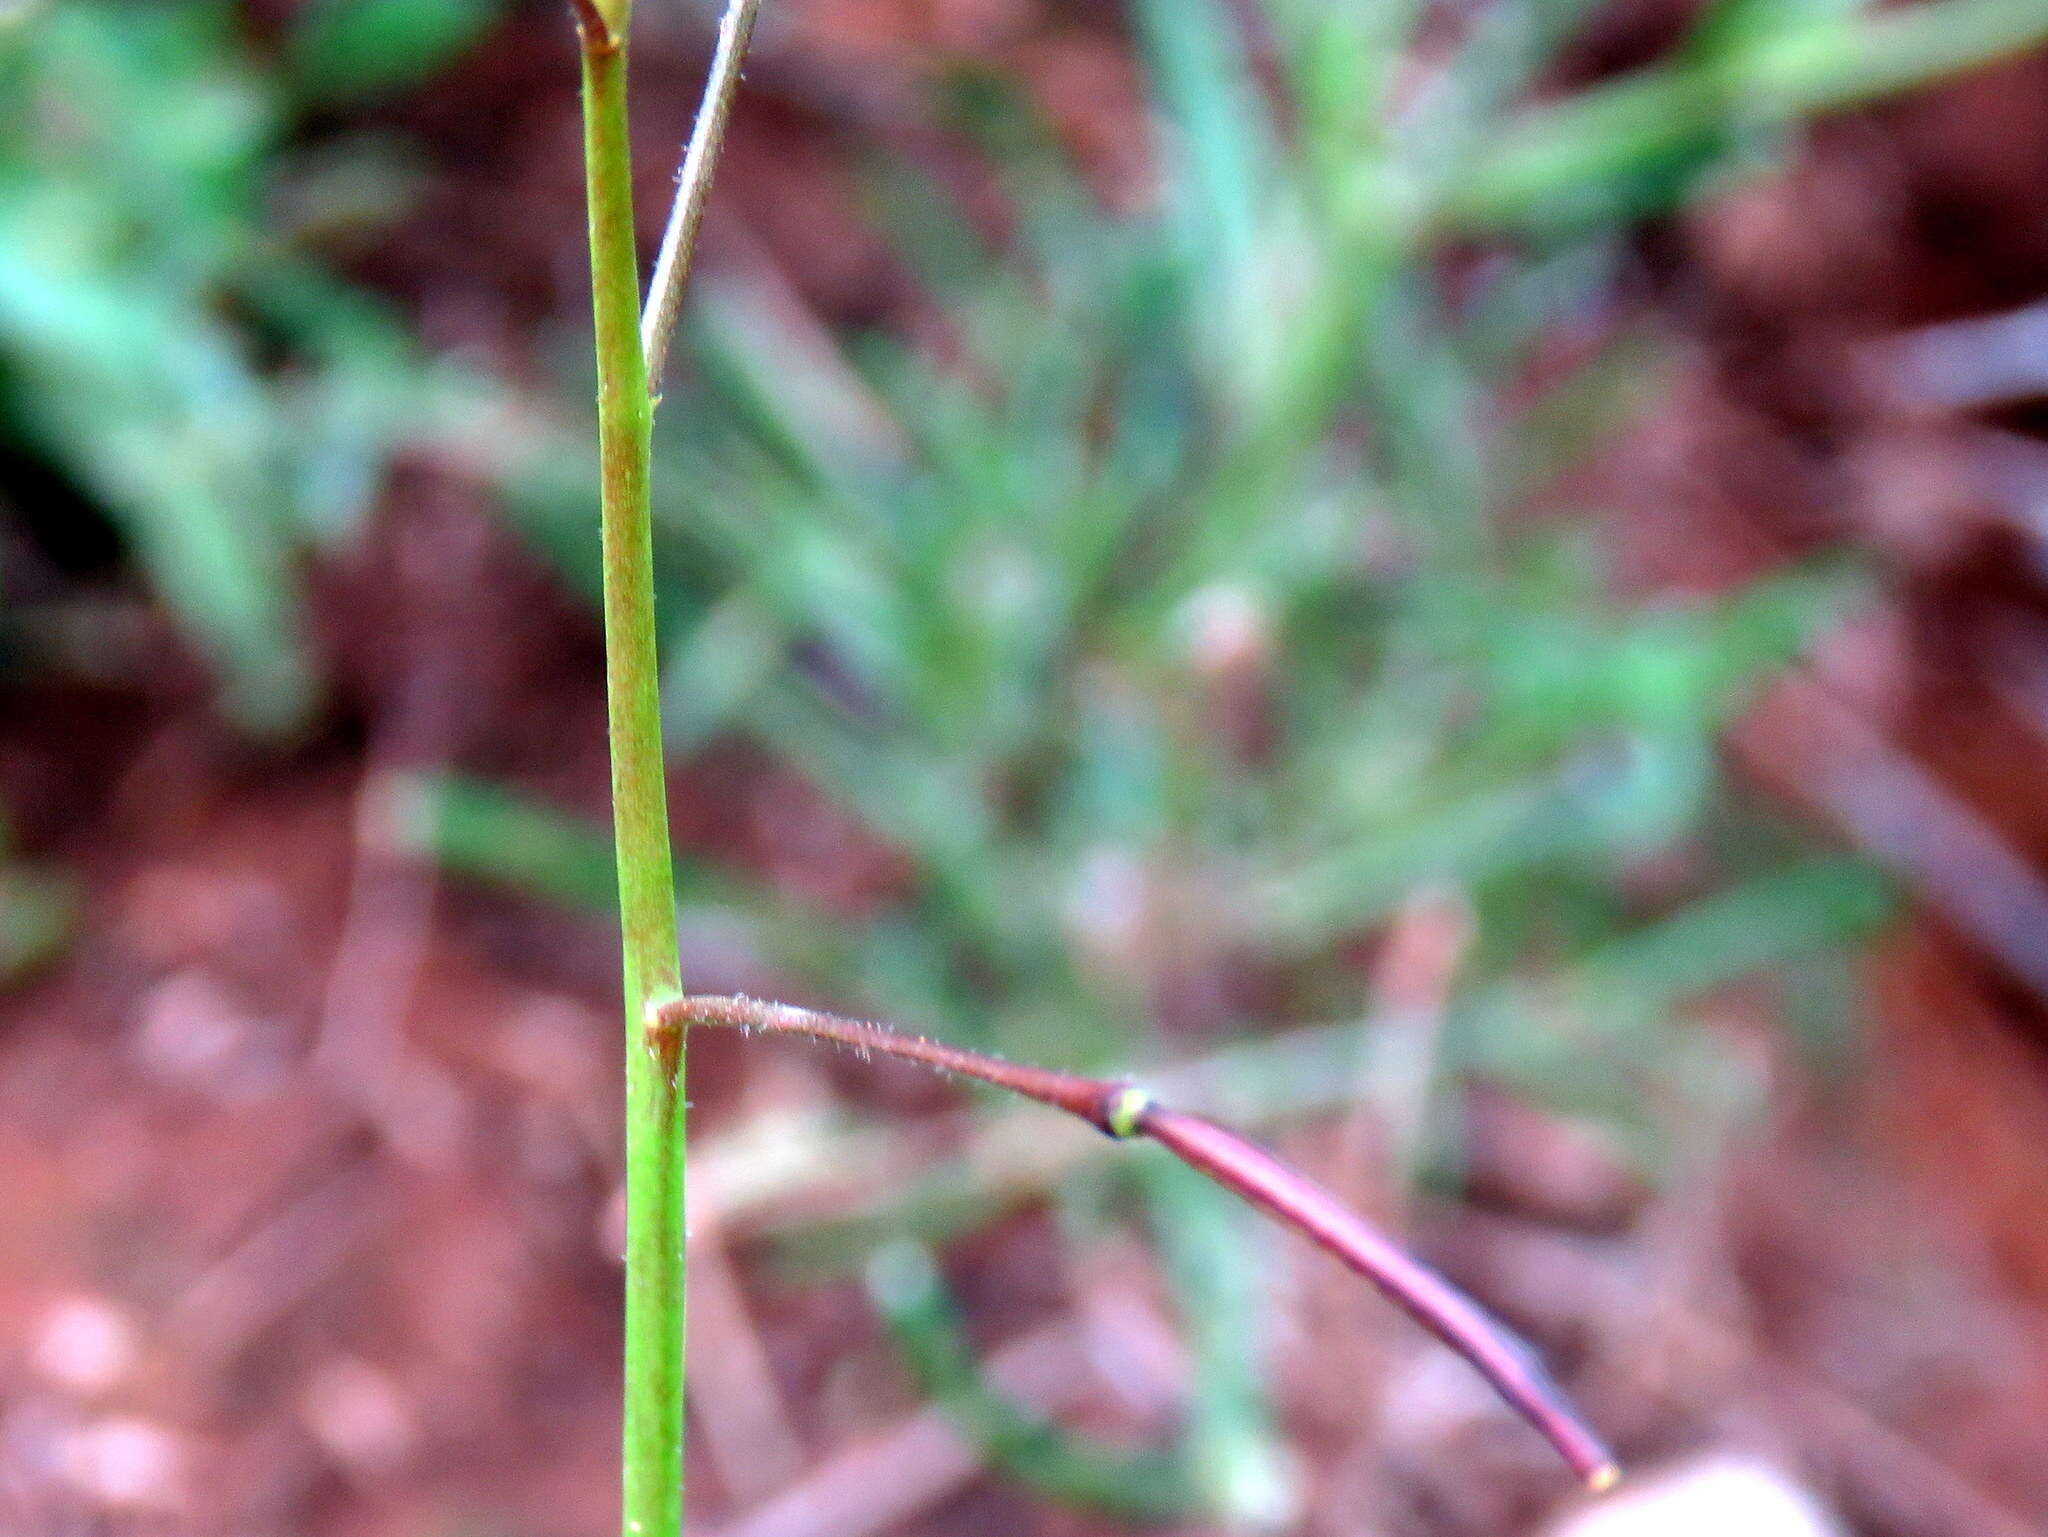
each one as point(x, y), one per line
point(1124, 1111)
point(693, 188)
point(1087, 1098)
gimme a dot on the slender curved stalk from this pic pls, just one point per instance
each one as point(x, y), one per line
point(653, 1471)
point(693, 187)
point(1125, 1111)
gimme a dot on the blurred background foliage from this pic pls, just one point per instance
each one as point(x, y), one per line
point(171, 351)
point(1216, 583)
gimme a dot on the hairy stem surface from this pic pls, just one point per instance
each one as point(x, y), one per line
point(693, 187)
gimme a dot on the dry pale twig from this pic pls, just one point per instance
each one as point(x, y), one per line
point(693, 188)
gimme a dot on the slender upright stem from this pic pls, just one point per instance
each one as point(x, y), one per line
point(693, 187)
point(653, 1495)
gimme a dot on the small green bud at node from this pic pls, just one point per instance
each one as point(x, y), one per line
point(1122, 1116)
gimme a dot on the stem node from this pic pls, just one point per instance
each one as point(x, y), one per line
point(594, 27)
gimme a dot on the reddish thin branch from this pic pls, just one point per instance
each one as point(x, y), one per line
point(1125, 1111)
point(1283, 1191)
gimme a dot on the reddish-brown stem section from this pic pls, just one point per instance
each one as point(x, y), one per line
point(596, 30)
point(1120, 1110)
point(1286, 1193)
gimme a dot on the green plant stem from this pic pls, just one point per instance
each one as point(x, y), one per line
point(653, 1483)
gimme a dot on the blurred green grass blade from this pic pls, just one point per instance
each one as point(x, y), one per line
point(121, 213)
point(1743, 931)
point(358, 391)
point(144, 354)
point(543, 473)
point(1566, 425)
point(38, 914)
point(935, 808)
point(725, 656)
point(930, 232)
point(904, 1283)
point(1728, 26)
point(1566, 289)
point(1218, 148)
point(1216, 1262)
point(1853, 59)
point(1458, 109)
point(484, 832)
point(1433, 441)
point(1349, 880)
point(1341, 62)
point(778, 366)
point(1219, 138)
point(936, 1207)
point(344, 49)
point(153, 408)
point(1588, 1035)
point(1053, 211)
point(1587, 157)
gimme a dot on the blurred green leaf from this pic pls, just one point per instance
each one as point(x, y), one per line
point(1218, 1270)
point(37, 911)
point(342, 49)
point(220, 395)
point(488, 833)
point(904, 1283)
point(1636, 145)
